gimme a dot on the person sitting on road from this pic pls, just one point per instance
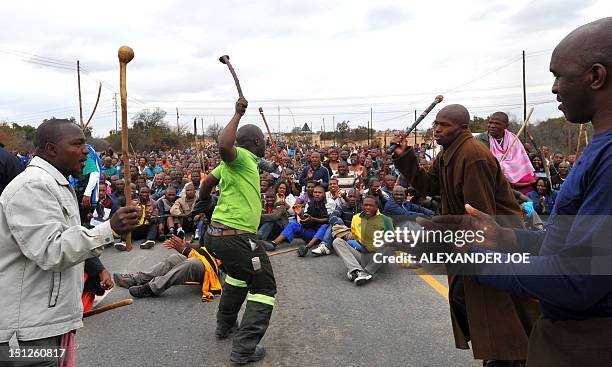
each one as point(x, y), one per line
point(143, 230)
point(180, 210)
point(358, 253)
point(398, 205)
point(104, 209)
point(273, 217)
point(374, 190)
point(164, 204)
point(342, 215)
point(311, 226)
point(192, 262)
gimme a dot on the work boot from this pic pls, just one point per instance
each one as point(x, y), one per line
point(257, 355)
point(125, 280)
point(140, 291)
point(225, 333)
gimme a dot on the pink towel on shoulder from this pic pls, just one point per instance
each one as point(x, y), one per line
point(516, 165)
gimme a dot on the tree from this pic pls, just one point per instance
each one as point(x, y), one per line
point(149, 119)
point(214, 130)
point(343, 129)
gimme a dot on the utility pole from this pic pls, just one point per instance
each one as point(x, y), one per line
point(178, 129)
point(323, 129)
point(80, 102)
point(334, 124)
point(116, 121)
point(279, 128)
point(371, 134)
point(524, 98)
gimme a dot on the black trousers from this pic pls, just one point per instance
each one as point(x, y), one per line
point(243, 281)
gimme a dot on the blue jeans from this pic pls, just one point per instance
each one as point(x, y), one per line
point(327, 237)
point(294, 229)
point(269, 230)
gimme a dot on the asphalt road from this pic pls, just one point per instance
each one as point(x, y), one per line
point(320, 319)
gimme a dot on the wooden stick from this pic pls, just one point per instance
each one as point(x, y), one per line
point(108, 307)
point(518, 134)
point(126, 54)
point(192, 283)
point(579, 136)
point(225, 60)
point(195, 133)
point(95, 106)
point(283, 251)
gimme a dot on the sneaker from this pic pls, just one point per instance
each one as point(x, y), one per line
point(125, 280)
point(321, 250)
point(352, 275)
point(224, 334)
point(302, 250)
point(257, 355)
point(140, 291)
point(268, 245)
point(180, 233)
point(196, 235)
point(147, 244)
point(120, 246)
point(362, 278)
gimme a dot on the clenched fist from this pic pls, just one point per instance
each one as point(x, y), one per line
point(125, 219)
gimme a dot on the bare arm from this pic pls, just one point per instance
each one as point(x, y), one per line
point(208, 185)
point(227, 151)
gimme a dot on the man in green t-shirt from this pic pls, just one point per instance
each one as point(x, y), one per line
point(231, 237)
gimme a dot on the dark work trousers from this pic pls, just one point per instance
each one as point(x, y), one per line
point(243, 281)
point(145, 231)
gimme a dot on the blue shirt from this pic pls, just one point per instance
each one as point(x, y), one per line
point(152, 172)
point(577, 243)
point(320, 173)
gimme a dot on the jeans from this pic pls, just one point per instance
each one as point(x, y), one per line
point(269, 230)
point(327, 237)
point(295, 229)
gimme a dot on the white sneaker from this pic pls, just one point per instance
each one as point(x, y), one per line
point(148, 244)
point(362, 277)
point(352, 275)
point(180, 233)
point(120, 246)
point(321, 250)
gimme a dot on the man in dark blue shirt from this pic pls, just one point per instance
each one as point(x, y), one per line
point(10, 166)
point(398, 205)
point(571, 275)
point(315, 172)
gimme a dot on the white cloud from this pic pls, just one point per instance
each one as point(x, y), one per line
point(318, 58)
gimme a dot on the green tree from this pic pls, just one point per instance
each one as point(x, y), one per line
point(149, 119)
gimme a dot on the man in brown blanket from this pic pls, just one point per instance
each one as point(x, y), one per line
point(466, 172)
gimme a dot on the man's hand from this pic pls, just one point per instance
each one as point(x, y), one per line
point(86, 202)
point(176, 243)
point(106, 281)
point(241, 106)
point(474, 220)
point(309, 174)
point(125, 219)
point(306, 218)
point(400, 140)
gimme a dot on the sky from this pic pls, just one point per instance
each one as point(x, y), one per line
point(315, 62)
